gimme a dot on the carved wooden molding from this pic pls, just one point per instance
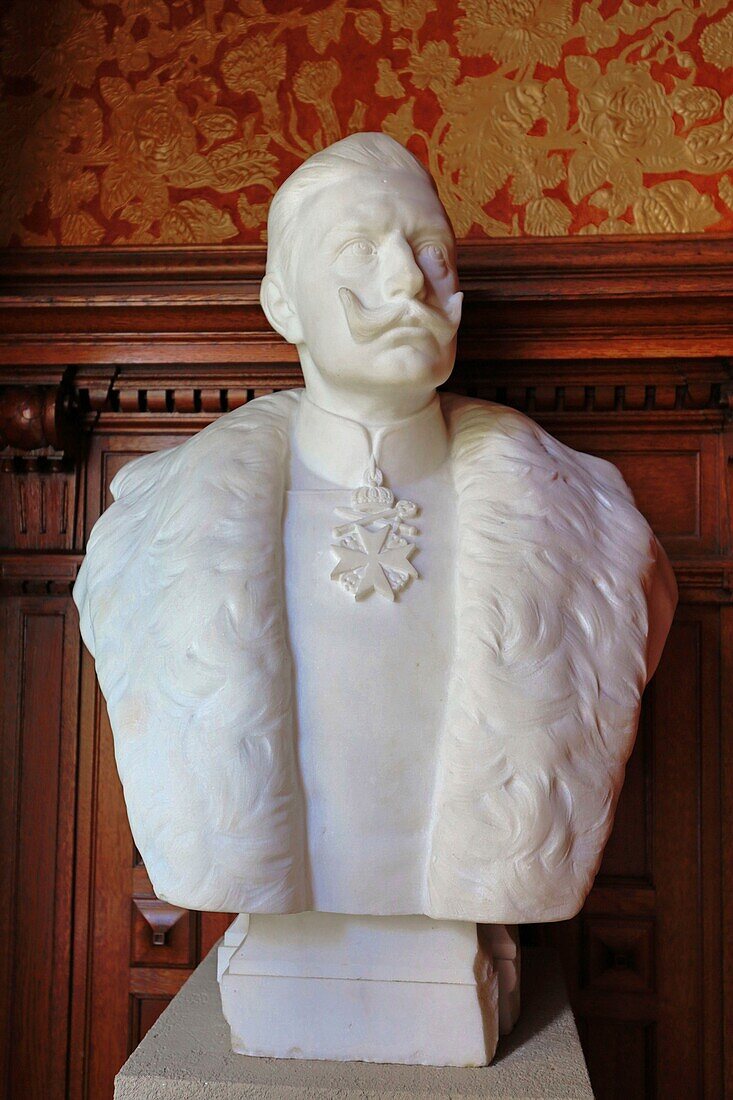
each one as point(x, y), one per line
point(38, 421)
point(659, 393)
point(709, 580)
point(558, 299)
point(169, 397)
point(574, 266)
point(34, 573)
point(136, 392)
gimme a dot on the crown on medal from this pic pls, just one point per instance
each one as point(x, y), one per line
point(372, 496)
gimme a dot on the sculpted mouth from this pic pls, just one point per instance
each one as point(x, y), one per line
point(369, 324)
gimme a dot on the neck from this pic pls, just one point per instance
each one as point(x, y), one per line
point(372, 405)
point(339, 447)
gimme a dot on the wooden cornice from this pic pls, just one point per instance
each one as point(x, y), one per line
point(559, 299)
point(623, 395)
point(590, 267)
point(569, 266)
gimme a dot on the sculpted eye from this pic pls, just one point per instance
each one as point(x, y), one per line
point(434, 254)
point(360, 249)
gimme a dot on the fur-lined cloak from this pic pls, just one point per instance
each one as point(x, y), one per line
point(182, 603)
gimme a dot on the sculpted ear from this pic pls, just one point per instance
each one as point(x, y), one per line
point(279, 311)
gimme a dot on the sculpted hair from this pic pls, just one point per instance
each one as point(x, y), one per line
point(354, 154)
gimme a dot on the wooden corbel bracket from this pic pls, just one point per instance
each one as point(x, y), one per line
point(39, 419)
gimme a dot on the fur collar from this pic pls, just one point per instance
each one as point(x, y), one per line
point(554, 567)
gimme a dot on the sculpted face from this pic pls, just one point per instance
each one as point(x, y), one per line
point(374, 290)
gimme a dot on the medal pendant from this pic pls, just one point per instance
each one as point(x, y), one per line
point(373, 545)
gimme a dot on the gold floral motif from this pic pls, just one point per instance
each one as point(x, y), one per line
point(716, 43)
point(389, 85)
point(41, 132)
point(434, 68)
point(369, 25)
point(521, 32)
point(316, 80)
point(401, 124)
point(710, 148)
point(325, 26)
point(623, 110)
point(314, 83)
point(79, 227)
point(256, 66)
point(674, 207)
point(407, 14)
point(158, 121)
point(694, 104)
point(216, 123)
point(58, 44)
point(151, 129)
point(725, 190)
point(545, 217)
point(196, 221)
point(597, 31)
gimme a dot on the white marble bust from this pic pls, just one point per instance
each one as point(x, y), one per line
point(368, 649)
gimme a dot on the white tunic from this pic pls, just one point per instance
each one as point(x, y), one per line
point(371, 676)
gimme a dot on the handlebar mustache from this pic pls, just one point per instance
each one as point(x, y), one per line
point(368, 324)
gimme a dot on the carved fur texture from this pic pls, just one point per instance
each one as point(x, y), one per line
point(181, 602)
point(554, 566)
point(554, 569)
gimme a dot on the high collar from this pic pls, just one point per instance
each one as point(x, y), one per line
point(339, 449)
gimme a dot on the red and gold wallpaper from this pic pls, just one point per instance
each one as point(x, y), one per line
point(148, 122)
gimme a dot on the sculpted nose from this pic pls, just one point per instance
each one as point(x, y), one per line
point(403, 278)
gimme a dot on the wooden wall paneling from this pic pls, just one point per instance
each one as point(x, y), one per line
point(643, 958)
point(726, 786)
point(38, 662)
point(109, 932)
point(725, 782)
point(619, 347)
point(112, 1002)
point(657, 898)
point(212, 927)
point(680, 1020)
point(106, 861)
point(621, 1056)
point(628, 857)
point(84, 878)
point(687, 721)
point(134, 951)
point(144, 1011)
point(675, 477)
point(40, 647)
point(37, 508)
point(580, 299)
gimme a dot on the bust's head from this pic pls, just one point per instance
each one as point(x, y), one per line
point(361, 276)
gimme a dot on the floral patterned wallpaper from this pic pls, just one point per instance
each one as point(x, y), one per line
point(149, 122)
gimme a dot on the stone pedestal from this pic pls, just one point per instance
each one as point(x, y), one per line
point(406, 990)
point(187, 1055)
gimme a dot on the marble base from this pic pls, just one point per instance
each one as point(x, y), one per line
point(187, 1055)
point(501, 942)
point(406, 990)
